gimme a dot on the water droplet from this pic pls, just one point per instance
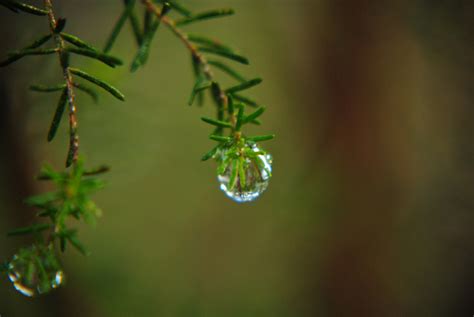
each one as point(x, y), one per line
point(35, 271)
point(244, 172)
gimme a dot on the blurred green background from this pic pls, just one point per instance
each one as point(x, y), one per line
point(370, 209)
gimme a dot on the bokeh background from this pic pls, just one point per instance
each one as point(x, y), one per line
point(370, 210)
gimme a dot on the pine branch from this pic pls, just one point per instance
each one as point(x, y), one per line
point(244, 169)
point(201, 64)
point(197, 56)
point(63, 51)
point(73, 151)
point(71, 198)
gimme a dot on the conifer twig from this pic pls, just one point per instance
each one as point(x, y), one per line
point(73, 152)
point(197, 56)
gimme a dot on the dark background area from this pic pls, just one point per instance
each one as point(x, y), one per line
point(370, 209)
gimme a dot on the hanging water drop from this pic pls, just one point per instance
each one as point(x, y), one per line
point(35, 271)
point(244, 171)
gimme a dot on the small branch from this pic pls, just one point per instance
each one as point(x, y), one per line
point(61, 46)
point(200, 58)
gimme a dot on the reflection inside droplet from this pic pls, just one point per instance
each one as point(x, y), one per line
point(256, 171)
point(35, 270)
point(15, 278)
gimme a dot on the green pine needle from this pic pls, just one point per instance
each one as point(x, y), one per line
point(224, 53)
point(147, 20)
point(178, 7)
point(144, 50)
point(217, 123)
point(109, 60)
point(12, 5)
point(220, 138)
point(135, 24)
point(254, 115)
point(102, 84)
point(205, 16)
point(200, 85)
point(230, 105)
point(43, 88)
point(261, 138)
point(77, 41)
point(97, 170)
point(42, 200)
point(209, 154)
point(58, 115)
point(36, 228)
point(129, 5)
point(233, 174)
point(39, 41)
point(7, 5)
point(240, 117)
point(198, 73)
point(14, 56)
point(199, 39)
point(72, 238)
point(243, 86)
point(246, 100)
point(227, 69)
point(87, 90)
point(242, 173)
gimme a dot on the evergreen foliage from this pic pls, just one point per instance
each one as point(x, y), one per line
point(242, 160)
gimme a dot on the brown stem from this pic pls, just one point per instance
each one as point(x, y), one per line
point(73, 136)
